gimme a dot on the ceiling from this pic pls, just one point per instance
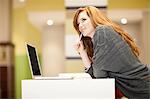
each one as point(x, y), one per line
point(39, 17)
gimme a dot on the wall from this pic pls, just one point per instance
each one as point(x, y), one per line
point(145, 37)
point(128, 4)
point(23, 32)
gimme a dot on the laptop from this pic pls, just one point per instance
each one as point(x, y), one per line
point(35, 65)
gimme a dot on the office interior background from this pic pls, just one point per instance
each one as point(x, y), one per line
point(47, 24)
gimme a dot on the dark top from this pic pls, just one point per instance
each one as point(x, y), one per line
point(113, 58)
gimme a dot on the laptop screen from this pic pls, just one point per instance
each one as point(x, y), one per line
point(33, 60)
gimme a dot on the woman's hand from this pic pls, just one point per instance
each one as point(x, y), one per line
point(79, 47)
point(83, 54)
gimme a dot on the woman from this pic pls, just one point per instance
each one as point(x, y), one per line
point(109, 52)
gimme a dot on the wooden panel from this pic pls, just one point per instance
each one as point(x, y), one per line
point(7, 82)
point(3, 80)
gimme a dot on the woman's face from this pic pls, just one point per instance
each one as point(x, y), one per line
point(85, 25)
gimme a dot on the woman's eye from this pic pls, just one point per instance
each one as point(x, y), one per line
point(83, 19)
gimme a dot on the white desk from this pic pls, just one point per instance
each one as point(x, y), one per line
point(69, 89)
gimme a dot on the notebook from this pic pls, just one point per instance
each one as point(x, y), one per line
point(35, 65)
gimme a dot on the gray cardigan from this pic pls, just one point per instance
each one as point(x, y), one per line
point(113, 58)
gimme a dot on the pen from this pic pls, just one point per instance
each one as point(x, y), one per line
point(80, 36)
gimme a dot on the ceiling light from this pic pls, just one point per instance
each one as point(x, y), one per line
point(22, 0)
point(123, 21)
point(50, 22)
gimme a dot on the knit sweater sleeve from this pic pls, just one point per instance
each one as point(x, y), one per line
point(100, 44)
